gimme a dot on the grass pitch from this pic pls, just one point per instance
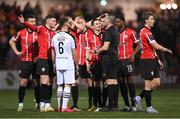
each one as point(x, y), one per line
point(165, 100)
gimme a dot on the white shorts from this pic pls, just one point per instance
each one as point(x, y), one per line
point(65, 76)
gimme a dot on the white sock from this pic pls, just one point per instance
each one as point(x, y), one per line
point(59, 94)
point(21, 104)
point(66, 95)
point(47, 105)
point(42, 104)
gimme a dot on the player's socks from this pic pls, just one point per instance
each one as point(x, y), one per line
point(50, 92)
point(142, 94)
point(21, 93)
point(37, 93)
point(124, 92)
point(44, 93)
point(116, 95)
point(75, 95)
point(132, 92)
point(147, 95)
point(66, 95)
point(59, 96)
point(99, 97)
point(90, 93)
point(105, 95)
point(110, 95)
point(95, 96)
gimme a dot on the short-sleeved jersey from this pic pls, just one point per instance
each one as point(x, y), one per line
point(95, 43)
point(29, 46)
point(111, 35)
point(82, 44)
point(127, 38)
point(45, 36)
point(63, 44)
point(147, 38)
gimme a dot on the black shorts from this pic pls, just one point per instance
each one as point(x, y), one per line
point(125, 68)
point(149, 68)
point(45, 67)
point(96, 71)
point(83, 73)
point(109, 67)
point(26, 69)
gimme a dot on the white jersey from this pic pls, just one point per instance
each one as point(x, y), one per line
point(63, 44)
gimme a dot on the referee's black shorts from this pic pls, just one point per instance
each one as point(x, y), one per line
point(109, 66)
point(149, 69)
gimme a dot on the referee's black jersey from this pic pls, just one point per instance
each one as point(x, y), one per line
point(111, 35)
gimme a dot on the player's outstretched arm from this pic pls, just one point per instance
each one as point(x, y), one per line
point(32, 27)
point(161, 48)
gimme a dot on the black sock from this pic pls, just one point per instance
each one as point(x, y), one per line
point(21, 94)
point(132, 92)
point(110, 96)
point(37, 93)
point(44, 93)
point(124, 92)
point(90, 93)
point(105, 95)
point(75, 95)
point(142, 94)
point(99, 97)
point(116, 95)
point(95, 96)
point(50, 93)
point(147, 95)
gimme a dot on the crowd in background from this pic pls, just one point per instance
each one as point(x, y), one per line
point(166, 29)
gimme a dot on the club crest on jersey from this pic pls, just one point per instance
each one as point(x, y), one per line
point(43, 69)
point(152, 73)
point(19, 71)
point(125, 36)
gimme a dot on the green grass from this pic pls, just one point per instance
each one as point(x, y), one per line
point(166, 100)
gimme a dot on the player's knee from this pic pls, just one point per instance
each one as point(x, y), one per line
point(23, 82)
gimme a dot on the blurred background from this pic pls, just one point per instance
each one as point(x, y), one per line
point(166, 29)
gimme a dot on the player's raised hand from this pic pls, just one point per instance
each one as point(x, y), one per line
point(21, 18)
point(169, 51)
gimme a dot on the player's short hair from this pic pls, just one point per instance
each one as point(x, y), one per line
point(28, 16)
point(49, 16)
point(63, 21)
point(146, 15)
point(92, 22)
point(111, 18)
point(102, 17)
point(121, 17)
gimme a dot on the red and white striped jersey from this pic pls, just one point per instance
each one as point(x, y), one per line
point(147, 38)
point(95, 43)
point(82, 44)
point(127, 39)
point(45, 36)
point(28, 43)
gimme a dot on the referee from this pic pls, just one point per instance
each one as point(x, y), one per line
point(109, 51)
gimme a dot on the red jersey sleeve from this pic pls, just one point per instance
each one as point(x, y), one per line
point(32, 27)
point(16, 37)
point(150, 37)
point(134, 37)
